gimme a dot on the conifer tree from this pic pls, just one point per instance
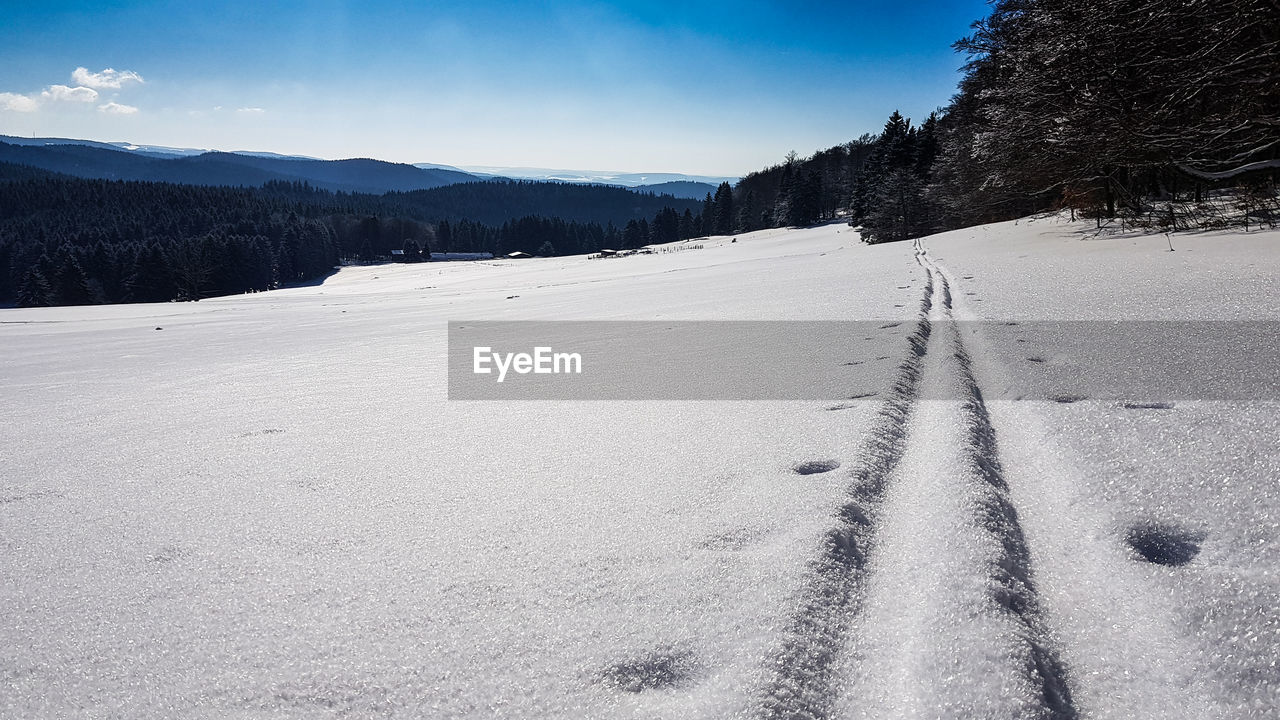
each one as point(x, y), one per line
point(722, 222)
point(71, 285)
point(33, 289)
point(152, 278)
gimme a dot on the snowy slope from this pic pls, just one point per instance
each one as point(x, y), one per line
point(602, 177)
point(1104, 478)
point(268, 507)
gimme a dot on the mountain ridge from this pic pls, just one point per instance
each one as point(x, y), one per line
point(108, 161)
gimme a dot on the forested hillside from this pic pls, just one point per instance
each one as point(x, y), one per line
point(1116, 109)
point(219, 168)
point(1142, 111)
point(71, 241)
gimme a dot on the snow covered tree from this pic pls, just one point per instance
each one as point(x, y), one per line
point(1109, 99)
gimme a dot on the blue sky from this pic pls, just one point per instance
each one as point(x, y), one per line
point(716, 88)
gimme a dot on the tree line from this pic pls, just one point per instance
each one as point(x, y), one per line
point(1109, 107)
point(71, 241)
point(548, 236)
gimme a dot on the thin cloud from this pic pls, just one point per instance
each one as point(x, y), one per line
point(57, 93)
point(17, 103)
point(115, 108)
point(109, 78)
point(250, 110)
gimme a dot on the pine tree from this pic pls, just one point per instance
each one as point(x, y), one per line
point(805, 202)
point(687, 225)
point(722, 223)
point(152, 278)
point(632, 237)
point(71, 285)
point(444, 237)
point(33, 289)
point(708, 216)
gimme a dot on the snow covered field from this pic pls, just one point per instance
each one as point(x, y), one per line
point(266, 506)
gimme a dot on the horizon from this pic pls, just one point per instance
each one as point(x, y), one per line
point(589, 175)
point(636, 87)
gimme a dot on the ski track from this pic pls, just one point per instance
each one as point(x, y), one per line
point(804, 678)
point(1118, 636)
point(926, 570)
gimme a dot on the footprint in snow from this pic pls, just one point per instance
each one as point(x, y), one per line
point(1067, 399)
point(815, 467)
point(1164, 544)
point(1148, 406)
point(656, 670)
point(264, 431)
point(731, 540)
point(165, 554)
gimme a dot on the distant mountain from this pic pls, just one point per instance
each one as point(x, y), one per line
point(149, 150)
point(110, 161)
point(194, 166)
point(9, 172)
point(498, 201)
point(593, 177)
point(679, 188)
point(354, 175)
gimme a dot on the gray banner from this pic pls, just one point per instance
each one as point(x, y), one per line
point(1140, 362)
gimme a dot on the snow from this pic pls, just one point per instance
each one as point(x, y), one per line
point(266, 506)
point(1141, 639)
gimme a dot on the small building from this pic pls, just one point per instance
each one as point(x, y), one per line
point(517, 255)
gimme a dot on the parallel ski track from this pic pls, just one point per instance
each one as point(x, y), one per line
point(803, 684)
point(1014, 579)
point(803, 681)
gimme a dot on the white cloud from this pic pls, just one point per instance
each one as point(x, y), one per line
point(84, 90)
point(250, 110)
point(109, 78)
point(17, 103)
point(114, 108)
point(70, 94)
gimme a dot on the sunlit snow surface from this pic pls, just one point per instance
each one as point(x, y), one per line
point(265, 506)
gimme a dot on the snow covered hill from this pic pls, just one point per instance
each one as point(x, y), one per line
point(267, 506)
point(596, 177)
